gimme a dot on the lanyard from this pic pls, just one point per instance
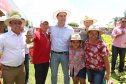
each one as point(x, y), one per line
point(46, 37)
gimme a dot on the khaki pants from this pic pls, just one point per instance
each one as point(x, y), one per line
point(13, 74)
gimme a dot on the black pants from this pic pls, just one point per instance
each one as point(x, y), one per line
point(26, 63)
point(41, 71)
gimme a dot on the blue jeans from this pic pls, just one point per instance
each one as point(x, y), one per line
point(115, 51)
point(26, 63)
point(95, 76)
point(56, 59)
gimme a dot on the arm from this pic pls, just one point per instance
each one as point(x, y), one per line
point(107, 67)
point(116, 33)
point(120, 34)
point(31, 47)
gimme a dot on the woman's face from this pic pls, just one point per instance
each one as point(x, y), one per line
point(75, 44)
point(93, 35)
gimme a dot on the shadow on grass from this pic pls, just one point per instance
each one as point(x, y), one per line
point(115, 76)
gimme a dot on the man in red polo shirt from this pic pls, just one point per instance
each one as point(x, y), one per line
point(41, 51)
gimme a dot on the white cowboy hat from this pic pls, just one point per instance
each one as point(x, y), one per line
point(87, 18)
point(66, 11)
point(92, 28)
point(14, 17)
point(75, 37)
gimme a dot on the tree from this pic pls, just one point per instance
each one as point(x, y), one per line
point(14, 13)
point(27, 23)
point(73, 24)
point(124, 13)
point(116, 19)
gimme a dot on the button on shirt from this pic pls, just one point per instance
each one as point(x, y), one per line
point(13, 49)
point(60, 37)
point(119, 41)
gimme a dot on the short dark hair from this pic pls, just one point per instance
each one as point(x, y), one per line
point(59, 12)
point(122, 18)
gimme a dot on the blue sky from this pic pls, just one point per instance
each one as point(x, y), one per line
point(102, 10)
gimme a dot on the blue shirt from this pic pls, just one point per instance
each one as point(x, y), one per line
point(60, 37)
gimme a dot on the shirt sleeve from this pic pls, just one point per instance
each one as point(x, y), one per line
point(1, 44)
point(114, 33)
point(104, 49)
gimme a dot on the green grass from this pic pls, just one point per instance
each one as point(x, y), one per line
point(113, 77)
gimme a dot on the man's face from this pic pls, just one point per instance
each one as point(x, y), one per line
point(123, 22)
point(15, 26)
point(61, 17)
point(44, 26)
point(88, 23)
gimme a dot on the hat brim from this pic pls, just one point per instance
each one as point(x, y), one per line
point(55, 13)
point(73, 40)
point(11, 19)
point(100, 32)
point(94, 21)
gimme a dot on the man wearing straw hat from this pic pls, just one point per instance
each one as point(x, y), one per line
point(87, 23)
point(60, 34)
point(12, 46)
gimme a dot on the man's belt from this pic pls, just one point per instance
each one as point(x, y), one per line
point(13, 66)
point(59, 52)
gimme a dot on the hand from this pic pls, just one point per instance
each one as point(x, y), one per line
point(123, 32)
point(29, 35)
point(107, 77)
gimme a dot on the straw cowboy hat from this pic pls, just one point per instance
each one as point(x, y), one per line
point(92, 28)
point(75, 37)
point(66, 11)
point(87, 18)
point(15, 17)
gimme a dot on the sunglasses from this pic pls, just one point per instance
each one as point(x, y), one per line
point(123, 21)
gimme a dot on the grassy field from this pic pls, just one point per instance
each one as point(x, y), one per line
point(113, 77)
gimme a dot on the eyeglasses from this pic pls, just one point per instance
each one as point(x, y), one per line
point(123, 21)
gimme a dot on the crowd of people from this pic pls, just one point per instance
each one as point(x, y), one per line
point(78, 53)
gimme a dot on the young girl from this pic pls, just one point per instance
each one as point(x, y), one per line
point(96, 54)
point(76, 60)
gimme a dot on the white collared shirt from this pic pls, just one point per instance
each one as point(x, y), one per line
point(60, 37)
point(13, 49)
